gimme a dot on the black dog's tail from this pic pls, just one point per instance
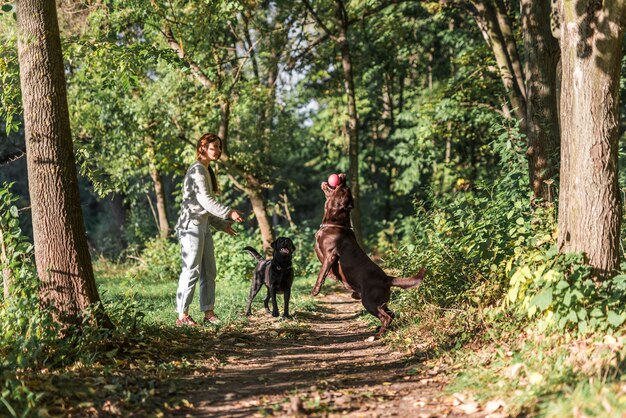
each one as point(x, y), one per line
point(409, 282)
point(254, 253)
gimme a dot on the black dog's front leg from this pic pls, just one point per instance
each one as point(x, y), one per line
point(273, 290)
point(287, 295)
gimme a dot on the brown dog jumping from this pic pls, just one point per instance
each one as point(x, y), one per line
point(340, 255)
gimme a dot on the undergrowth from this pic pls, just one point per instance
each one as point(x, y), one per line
point(527, 324)
point(139, 367)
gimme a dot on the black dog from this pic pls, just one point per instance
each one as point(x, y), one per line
point(276, 274)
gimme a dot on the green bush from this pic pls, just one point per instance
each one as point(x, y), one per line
point(30, 340)
point(465, 239)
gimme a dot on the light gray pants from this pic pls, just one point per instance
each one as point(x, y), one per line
point(198, 260)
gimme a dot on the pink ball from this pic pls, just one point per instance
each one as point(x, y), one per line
point(333, 180)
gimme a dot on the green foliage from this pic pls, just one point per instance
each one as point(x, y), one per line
point(465, 239)
point(558, 289)
point(10, 93)
point(15, 249)
point(159, 260)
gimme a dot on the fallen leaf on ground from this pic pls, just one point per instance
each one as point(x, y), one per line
point(493, 405)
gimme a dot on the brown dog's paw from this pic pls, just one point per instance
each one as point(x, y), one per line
point(315, 291)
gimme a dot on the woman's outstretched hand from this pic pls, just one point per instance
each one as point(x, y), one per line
point(236, 216)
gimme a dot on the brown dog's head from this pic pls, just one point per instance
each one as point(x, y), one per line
point(339, 201)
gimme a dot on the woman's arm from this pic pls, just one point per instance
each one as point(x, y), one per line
point(203, 194)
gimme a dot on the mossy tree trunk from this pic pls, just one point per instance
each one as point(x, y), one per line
point(589, 198)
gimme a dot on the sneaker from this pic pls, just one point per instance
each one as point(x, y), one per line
point(212, 320)
point(186, 322)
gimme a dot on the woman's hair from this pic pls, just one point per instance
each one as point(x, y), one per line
point(203, 142)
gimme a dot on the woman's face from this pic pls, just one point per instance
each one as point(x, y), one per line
point(213, 151)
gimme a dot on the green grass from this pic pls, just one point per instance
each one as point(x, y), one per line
point(155, 297)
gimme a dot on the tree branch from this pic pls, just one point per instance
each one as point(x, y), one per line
point(328, 34)
point(317, 18)
point(195, 68)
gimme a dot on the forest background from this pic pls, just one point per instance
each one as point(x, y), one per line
point(450, 119)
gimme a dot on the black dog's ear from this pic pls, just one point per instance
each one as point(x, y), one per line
point(273, 244)
point(292, 246)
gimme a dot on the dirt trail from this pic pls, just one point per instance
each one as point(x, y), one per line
point(327, 368)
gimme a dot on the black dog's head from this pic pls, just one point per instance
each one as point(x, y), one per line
point(283, 248)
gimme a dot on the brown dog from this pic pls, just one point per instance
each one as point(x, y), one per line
point(337, 249)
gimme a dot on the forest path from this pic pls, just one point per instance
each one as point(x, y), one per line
point(320, 365)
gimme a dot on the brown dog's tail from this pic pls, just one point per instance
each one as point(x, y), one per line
point(409, 282)
point(254, 253)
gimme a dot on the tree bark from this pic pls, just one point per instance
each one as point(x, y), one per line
point(252, 189)
point(159, 190)
point(353, 121)
point(486, 17)
point(589, 199)
point(542, 57)
point(506, 28)
point(61, 254)
point(164, 228)
point(260, 211)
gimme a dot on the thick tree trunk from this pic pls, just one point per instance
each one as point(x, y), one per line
point(542, 56)
point(61, 254)
point(589, 199)
point(353, 121)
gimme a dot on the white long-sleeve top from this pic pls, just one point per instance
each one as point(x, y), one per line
point(199, 203)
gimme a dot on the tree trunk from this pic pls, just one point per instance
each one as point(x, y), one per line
point(589, 199)
point(353, 122)
point(223, 126)
point(542, 57)
point(260, 211)
point(486, 17)
point(61, 255)
point(159, 191)
point(506, 28)
point(164, 228)
point(253, 189)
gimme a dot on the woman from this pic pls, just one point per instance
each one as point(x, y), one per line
point(200, 211)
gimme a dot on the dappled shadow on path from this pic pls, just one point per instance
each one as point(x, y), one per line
point(324, 354)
